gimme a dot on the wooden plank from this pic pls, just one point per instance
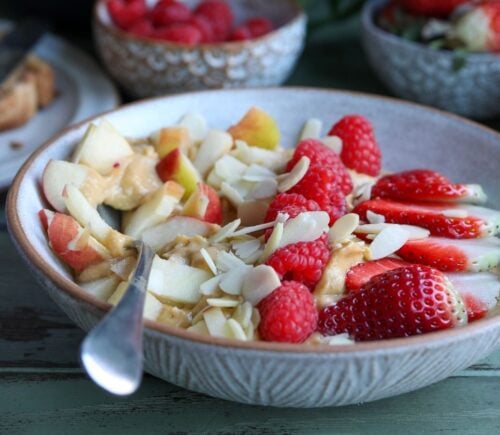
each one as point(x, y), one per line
point(457, 405)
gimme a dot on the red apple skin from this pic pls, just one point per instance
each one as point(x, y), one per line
point(45, 217)
point(169, 165)
point(214, 209)
point(62, 230)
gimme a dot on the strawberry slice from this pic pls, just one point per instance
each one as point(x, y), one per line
point(441, 219)
point(480, 292)
point(406, 301)
point(426, 185)
point(449, 255)
point(359, 275)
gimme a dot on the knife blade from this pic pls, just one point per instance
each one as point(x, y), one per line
point(16, 45)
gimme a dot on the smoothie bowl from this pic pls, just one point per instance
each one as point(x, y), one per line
point(292, 270)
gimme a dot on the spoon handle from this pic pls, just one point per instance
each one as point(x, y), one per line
point(111, 353)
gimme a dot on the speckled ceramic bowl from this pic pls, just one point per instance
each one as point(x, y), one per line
point(145, 67)
point(419, 73)
point(271, 373)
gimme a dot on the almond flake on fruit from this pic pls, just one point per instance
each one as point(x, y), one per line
point(305, 227)
point(362, 193)
point(387, 242)
point(210, 263)
point(255, 173)
point(343, 227)
point(243, 314)
point(234, 330)
point(311, 129)
point(265, 188)
point(259, 283)
point(231, 194)
point(455, 213)
point(223, 302)
point(414, 232)
point(374, 218)
point(295, 175)
point(232, 281)
point(210, 287)
point(273, 242)
point(334, 143)
point(226, 261)
point(215, 321)
point(226, 231)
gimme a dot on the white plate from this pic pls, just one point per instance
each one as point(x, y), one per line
point(83, 90)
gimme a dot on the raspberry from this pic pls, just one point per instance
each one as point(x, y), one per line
point(319, 154)
point(291, 204)
point(288, 314)
point(241, 33)
point(181, 33)
point(203, 25)
point(259, 26)
point(126, 13)
point(219, 14)
point(170, 12)
point(142, 28)
point(360, 150)
point(320, 185)
point(303, 261)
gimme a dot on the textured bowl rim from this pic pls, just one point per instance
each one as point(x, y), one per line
point(368, 23)
point(36, 260)
point(299, 14)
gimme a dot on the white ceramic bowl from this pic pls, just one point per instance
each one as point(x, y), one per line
point(146, 67)
point(270, 373)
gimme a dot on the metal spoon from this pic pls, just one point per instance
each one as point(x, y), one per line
point(111, 354)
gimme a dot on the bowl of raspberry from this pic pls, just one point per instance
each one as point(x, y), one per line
point(444, 54)
point(169, 46)
point(312, 247)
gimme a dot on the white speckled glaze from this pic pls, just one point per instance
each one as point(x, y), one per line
point(425, 75)
point(269, 373)
point(146, 68)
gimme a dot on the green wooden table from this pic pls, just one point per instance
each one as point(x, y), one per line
point(43, 390)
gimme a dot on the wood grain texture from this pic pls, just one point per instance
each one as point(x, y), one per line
point(74, 404)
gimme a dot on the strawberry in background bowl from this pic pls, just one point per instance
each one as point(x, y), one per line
point(445, 54)
point(153, 48)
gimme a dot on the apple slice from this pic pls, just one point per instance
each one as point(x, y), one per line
point(177, 167)
point(171, 138)
point(73, 244)
point(152, 306)
point(170, 281)
point(204, 204)
point(216, 144)
point(159, 236)
point(87, 216)
point(257, 128)
point(102, 288)
point(46, 217)
point(58, 173)
point(159, 207)
point(102, 147)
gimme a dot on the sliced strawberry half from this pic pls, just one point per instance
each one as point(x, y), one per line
point(451, 255)
point(441, 219)
point(480, 292)
point(426, 185)
point(360, 274)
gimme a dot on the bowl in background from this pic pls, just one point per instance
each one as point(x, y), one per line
point(145, 67)
point(266, 373)
point(434, 77)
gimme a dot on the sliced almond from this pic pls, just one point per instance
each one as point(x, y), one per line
point(255, 173)
point(210, 263)
point(374, 218)
point(223, 302)
point(387, 242)
point(311, 130)
point(305, 227)
point(414, 232)
point(215, 321)
point(225, 231)
point(234, 330)
point(362, 193)
point(243, 314)
point(232, 281)
point(229, 168)
point(265, 188)
point(273, 242)
point(295, 175)
point(455, 213)
point(231, 194)
point(259, 283)
point(343, 227)
point(246, 248)
point(333, 142)
point(226, 261)
point(210, 287)
point(253, 229)
point(199, 328)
